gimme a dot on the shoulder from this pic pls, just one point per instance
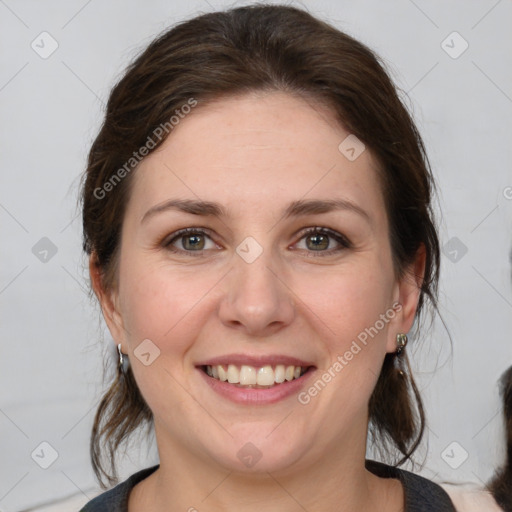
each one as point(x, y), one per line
point(116, 499)
point(471, 498)
point(421, 494)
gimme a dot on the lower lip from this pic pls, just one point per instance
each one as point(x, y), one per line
point(258, 396)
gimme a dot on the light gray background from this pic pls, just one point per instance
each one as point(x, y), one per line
point(52, 351)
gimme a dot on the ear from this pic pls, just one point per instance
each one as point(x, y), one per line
point(108, 300)
point(407, 295)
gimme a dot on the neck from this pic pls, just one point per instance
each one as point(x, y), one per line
point(338, 482)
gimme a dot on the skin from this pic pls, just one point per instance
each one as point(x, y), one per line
point(254, 154)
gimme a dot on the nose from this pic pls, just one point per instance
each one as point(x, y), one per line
point(257, 300)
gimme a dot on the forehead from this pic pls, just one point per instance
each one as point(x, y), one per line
point(263, 147)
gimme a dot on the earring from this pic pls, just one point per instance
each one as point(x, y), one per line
point(401, 342)
point(124, 362)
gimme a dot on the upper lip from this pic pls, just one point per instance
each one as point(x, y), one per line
point(255, 360)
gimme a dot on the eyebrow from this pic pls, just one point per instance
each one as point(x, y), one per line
point(294, 209)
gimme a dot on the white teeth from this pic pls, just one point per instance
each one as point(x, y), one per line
point(251, 376)
point(266, 376)
point(223, 376)
point(247, 375)
point(233, 374)
point(280, 373)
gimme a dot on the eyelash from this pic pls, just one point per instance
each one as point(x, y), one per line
point(344, 242)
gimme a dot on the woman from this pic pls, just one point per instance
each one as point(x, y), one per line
point(257, 212)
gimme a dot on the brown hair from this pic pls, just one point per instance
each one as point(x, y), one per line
point(266, 48)
point(501, 484)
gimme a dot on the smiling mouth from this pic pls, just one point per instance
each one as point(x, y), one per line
point(263, 377)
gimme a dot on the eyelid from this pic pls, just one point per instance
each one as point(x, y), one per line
point(180, 232)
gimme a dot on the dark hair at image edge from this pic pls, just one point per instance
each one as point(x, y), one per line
point(242, 50)
point(501, 484)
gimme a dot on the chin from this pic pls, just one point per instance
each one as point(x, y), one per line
point(259, 450)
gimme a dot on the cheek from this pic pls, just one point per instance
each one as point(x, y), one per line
point(166, 308)
point(160, 304)
point(354, 339)
point(353, 312)
point(347, 300)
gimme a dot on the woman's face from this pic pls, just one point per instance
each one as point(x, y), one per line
point(251, 286)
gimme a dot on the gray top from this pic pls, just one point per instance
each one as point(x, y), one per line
point(421, 495)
